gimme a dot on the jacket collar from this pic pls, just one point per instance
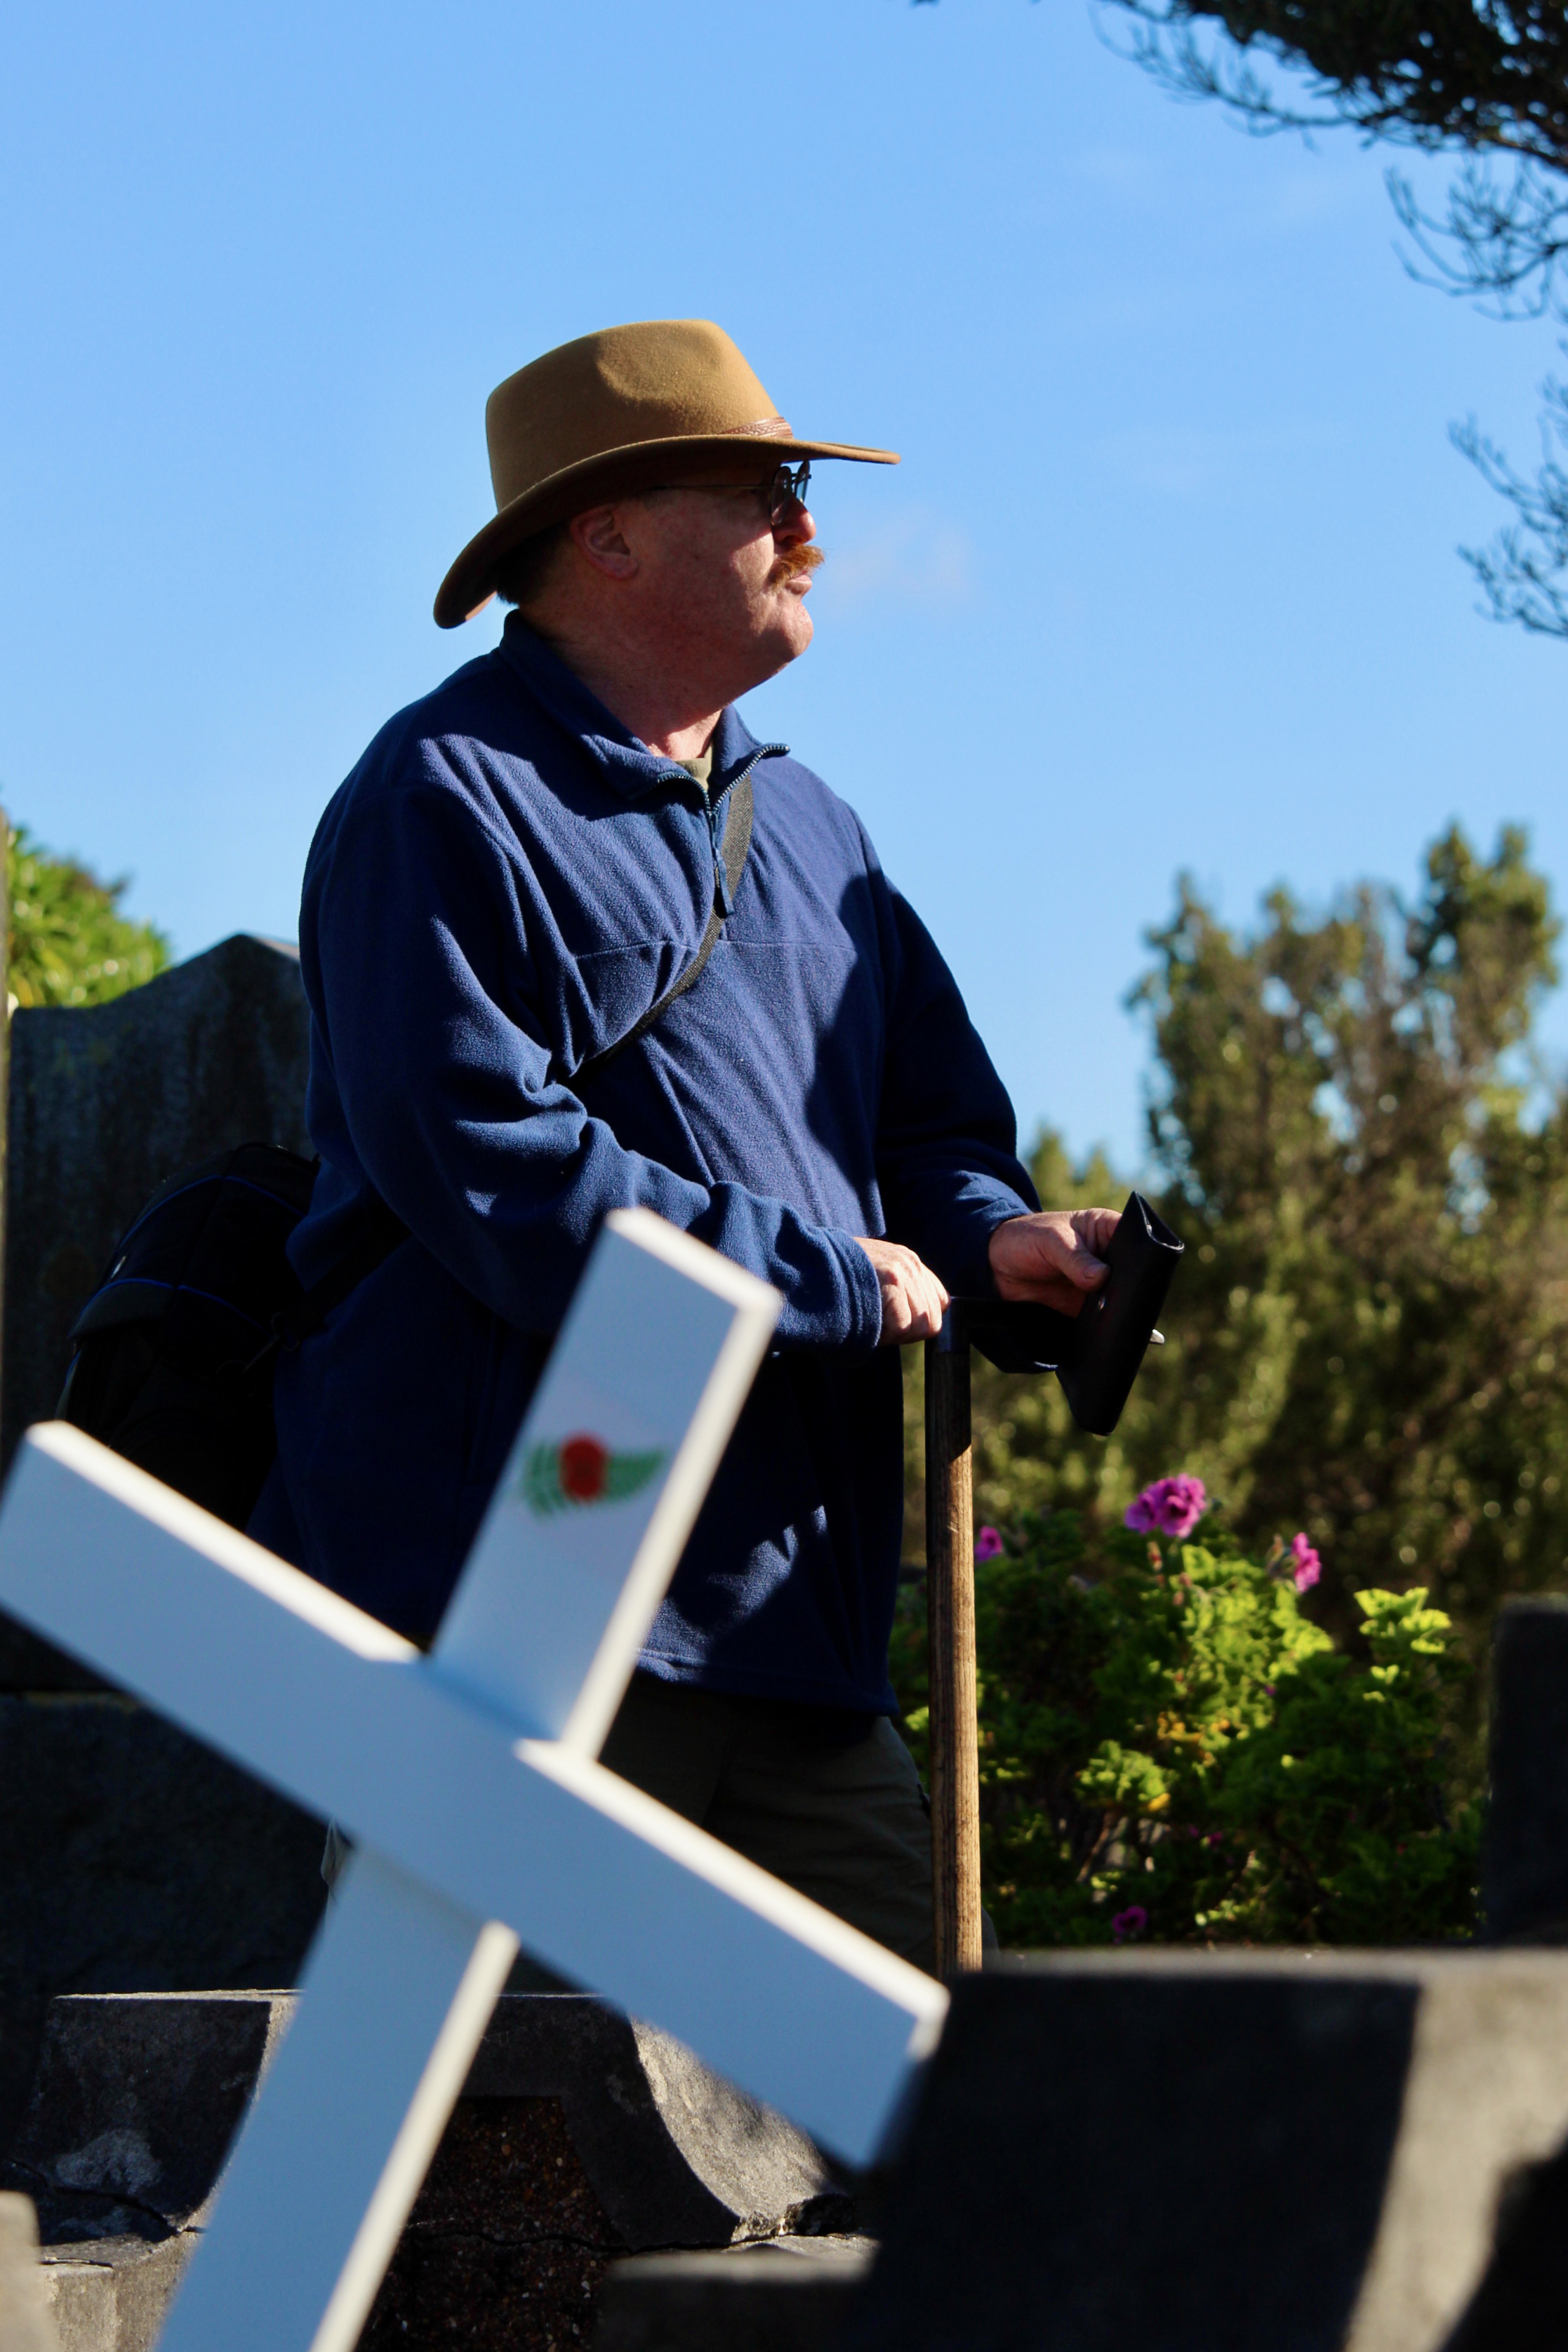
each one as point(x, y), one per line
point(623, 759)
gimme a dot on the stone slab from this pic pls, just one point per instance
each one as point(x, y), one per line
point(676, 2155)
point(790, 2295)
point(111, 2295)
point(580, 2136)
point(133, 2105)
point(1263, 2152)
point(1525, 1871)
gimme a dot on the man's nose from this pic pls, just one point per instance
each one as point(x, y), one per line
point(795, 528)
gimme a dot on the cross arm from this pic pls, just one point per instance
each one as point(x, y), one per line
point(330, 1707)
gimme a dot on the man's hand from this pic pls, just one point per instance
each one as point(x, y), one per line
point(913, 1300)
point(1056, 1256)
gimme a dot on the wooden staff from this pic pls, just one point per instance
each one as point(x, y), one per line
point(950, 1626)
point(1097, 1355)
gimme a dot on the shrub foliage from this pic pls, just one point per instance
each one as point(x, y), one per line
point(1172, 1751)
point(70, 942)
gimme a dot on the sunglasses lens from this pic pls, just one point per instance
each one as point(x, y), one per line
point(789, 485)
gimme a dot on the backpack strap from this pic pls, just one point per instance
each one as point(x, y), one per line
point(733, 850)
point(380, 1229)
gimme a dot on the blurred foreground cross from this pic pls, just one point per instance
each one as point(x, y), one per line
point(467, 1780)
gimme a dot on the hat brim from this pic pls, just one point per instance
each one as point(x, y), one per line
point(613, 473)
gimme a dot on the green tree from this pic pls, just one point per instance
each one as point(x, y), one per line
point(1369, 1332)
point(70, 943)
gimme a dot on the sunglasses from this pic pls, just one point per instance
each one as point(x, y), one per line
point(784, 488)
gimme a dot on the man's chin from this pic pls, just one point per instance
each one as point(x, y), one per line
point(776, 647)
point(793, 620)
point(798, 634)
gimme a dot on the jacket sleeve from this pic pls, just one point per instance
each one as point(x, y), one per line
point(947, 1157)
point(416, 951)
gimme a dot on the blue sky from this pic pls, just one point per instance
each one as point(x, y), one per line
point(1166, 580)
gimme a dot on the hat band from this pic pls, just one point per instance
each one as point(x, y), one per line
point(767, 428)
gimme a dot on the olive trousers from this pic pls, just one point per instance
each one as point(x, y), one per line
point(830, 1803)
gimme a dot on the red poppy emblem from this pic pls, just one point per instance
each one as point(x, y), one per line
point(583, 1469)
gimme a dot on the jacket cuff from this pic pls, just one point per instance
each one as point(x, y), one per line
point(863, 1293)
point(971, 1276)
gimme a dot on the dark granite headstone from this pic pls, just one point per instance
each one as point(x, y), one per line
point(131, 1857)
point(578, 2137)
point(108, 1101)
point(1525, 1873)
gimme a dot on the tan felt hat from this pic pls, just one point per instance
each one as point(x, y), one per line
point(613, 412)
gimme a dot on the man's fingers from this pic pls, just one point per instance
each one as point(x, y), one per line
point(1065, 1251)
point(914, 1299)
point(1084, 1238)
point(927, 1302)
point(1096, 1228)
point(1056, 1255)
point(1086, 1267)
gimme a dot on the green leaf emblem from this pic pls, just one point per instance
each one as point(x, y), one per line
point(582, 1470)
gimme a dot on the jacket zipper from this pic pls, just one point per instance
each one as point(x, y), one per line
point(722, 900)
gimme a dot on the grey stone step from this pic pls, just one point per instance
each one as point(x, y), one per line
point(580, 2136)
point(111, 2294)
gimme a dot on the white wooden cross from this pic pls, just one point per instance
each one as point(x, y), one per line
point(468, 1781)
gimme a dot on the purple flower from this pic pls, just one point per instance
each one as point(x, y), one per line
point(1171, 1506)
point(987, 1544)
point(1309, 1567)
point(1130, 1922)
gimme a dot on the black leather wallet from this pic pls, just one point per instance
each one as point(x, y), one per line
point(1095, 1354)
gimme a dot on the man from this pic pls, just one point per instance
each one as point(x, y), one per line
point(517, 875)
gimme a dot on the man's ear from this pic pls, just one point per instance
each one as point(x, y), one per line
point(599, 536)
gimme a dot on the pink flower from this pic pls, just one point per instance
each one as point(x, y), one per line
point(1309, 1567)
point(1171, 1506)
point(1130, 1922)
point(987, 1544)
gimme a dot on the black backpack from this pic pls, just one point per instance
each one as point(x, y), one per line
point(172, 1355)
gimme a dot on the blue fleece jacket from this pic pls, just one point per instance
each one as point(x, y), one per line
point(506, 882)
